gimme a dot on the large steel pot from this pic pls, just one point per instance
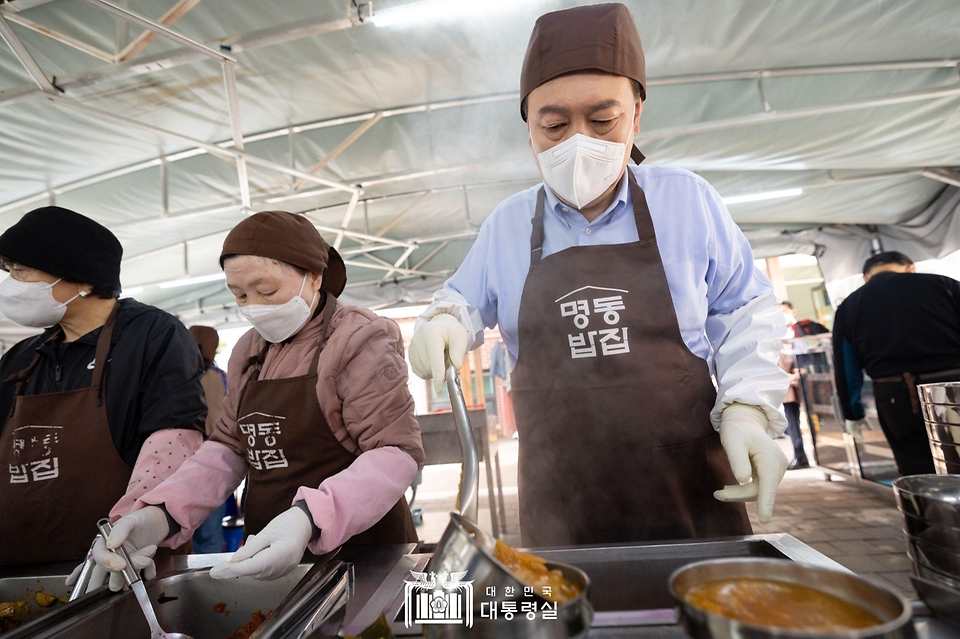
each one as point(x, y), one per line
point(933, 498)
point(883, 602)
point(466, 548)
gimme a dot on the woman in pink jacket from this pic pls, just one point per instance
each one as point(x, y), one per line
point(317, 417)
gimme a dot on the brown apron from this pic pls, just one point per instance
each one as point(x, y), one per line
point(612, 408)
point(289, 444)
point(59, 469)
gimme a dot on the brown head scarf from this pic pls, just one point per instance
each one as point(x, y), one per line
point(599, 37)
point(208, 340)
point(289, 238)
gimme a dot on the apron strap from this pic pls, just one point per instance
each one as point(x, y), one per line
point(103, 352)
point(328, 307)
point(536, 237)
point(636, 155)
point(99, 368)
point(641, 212)
point(24, 374)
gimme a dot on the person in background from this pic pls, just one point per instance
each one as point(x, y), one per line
point(100, 406)
point(791, 408)
point(208, 537)
point(803, 327)
point(791, 403)
point(318, 417)
point(903, 328)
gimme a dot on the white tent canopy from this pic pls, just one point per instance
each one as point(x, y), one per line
point(398, 141)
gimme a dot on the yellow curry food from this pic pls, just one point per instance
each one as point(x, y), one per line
point(765, 602)
point(532, 571)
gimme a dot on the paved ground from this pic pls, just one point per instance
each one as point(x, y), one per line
point(855, 526)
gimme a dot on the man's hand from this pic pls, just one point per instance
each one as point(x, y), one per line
point(440, 335)
point(856, 427)
point(756, 460)
point(140, 532)
point(271, 553)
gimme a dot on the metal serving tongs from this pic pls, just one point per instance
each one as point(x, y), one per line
point(83, 580)
point(468, 497)
point(133, 580)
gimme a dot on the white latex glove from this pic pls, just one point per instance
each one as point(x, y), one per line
point(429, 344)
point(272, 553)
point(97, 578)
point(140, 532)
point(756, 460)
point(856, 427)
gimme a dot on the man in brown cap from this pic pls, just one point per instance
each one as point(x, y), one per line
point(317, 416)
point(634, 288)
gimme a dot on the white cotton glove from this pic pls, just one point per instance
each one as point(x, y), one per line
point(273, 552)
point(432, 341)
point(140, 532)
point(756, 460)
point(856, 427)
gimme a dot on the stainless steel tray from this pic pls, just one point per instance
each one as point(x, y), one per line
point(628, 582)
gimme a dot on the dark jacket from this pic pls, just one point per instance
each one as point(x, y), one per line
point(896, 323)
point(152, 377)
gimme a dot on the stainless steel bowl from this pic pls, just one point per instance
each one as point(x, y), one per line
point(934, 557)
point(464, 547)
point(943, 433)
point(942, 536)
point(942, 600)
point(933, 498)
point(940, 393)
point(946, 458)
point(892, 609)
point(941, 413)
point(919, 570)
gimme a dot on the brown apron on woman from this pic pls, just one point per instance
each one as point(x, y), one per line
point(612, 408)
point(59, 469)
point(289, 444)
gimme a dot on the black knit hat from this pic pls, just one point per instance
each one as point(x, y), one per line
point(65, 244)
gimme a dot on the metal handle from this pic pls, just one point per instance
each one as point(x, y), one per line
point(470, 475)
point(129, 573)
point(83, 580)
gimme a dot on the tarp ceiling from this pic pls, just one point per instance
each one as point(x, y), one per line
point(848, 100)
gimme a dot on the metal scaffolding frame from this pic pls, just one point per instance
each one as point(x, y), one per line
point(124, 64)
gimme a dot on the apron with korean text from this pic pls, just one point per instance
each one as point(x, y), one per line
point(612, 408)
point(289, 444)
point(60, 471)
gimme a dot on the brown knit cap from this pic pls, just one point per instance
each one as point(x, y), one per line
point(208, 339)
point(289, 238)
point(599, 37)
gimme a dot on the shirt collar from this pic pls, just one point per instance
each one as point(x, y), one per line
point(570, 217)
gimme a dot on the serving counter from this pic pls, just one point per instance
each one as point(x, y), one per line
point(628, 590)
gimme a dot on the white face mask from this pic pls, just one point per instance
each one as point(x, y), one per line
point(581, 168)
point(32, 303)
point(277, 322)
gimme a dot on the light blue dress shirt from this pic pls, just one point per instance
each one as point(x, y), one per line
point(708, 262)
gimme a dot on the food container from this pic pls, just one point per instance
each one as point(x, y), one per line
point(465, 548)
point(940, 393)
point(892, 609)
point(931, 574)
point(934, 557)
point(934, 499)
point(942, 536)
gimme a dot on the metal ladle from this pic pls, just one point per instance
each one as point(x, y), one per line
point(133, 580)
point(468, 497)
